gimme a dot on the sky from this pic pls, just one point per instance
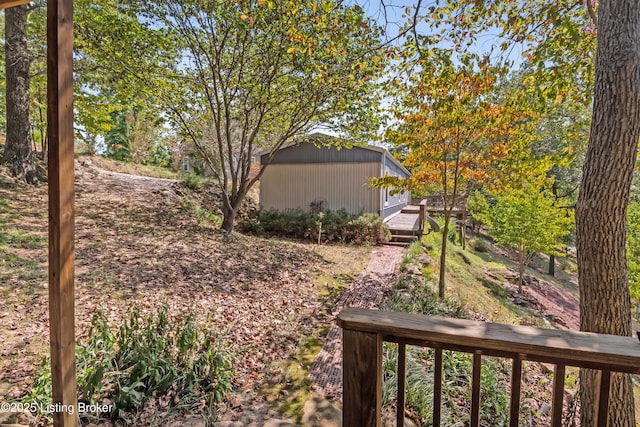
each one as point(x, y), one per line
point(392, 15)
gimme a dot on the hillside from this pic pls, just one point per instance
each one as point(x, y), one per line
point(482, 285)
point(147, 243)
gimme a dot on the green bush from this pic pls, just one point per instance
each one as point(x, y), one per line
point(334, 226)
point(194, 181)
point(155, 361)
point(480, 245)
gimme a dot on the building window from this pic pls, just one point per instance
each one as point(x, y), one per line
point(185, 164)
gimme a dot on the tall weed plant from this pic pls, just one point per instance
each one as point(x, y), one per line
point(168, 363)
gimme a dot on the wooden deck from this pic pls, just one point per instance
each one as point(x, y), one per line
point(364, 332)
point(409, 224)
point(406, 226)
point(405, 221)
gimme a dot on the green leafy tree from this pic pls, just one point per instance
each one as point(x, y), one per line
point(135, 133)
point(528, 221)
point(455, 131)
point(111, 47)
point(246, 76)
point(559, 39)
point(36, 36)
point(633, 250)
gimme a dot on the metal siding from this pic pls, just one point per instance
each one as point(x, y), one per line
point(394, 169)
point(309, 153)
point(342, 186)
point(391, 210)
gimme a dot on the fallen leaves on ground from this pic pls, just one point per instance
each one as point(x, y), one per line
point(138, 244)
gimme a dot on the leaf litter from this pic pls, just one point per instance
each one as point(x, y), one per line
point(138, 244)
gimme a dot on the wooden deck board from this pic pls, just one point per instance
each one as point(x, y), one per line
point(580, 349)
point(404, 222)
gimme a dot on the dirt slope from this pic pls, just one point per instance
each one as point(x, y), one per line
point(139, 244)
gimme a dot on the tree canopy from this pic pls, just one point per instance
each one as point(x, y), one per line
point(528, 220)
point(238, 78)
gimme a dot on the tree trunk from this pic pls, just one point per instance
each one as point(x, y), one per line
point(552, 265)
point(230, 209)
point(228, 218)
point(521, 268)
point(443, 256)
point(18, 153)
point(604, 195)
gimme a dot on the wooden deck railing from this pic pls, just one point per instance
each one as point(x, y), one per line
point(365, 330)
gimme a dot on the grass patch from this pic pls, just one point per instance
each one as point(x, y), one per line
point(16, 238)
point(467, 283)
point(292, 388)
point(133, 168)
point(342, 265)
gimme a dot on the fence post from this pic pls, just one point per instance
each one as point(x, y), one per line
point(362, 379)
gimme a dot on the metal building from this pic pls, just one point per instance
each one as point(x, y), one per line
point(306, 175)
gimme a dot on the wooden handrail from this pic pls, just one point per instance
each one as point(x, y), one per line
point(365, 330)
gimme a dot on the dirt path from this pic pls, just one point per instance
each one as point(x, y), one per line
point(557, 306)
point(366, 291)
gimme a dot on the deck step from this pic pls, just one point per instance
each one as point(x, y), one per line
point(397, 243)
point(395, 232)
point(404, 236)
point(411, 210)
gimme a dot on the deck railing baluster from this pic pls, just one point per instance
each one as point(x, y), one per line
point(516, 385)
point(603, 400)
point(437, 386)
point(402, 364)
point(475, 389)
point(558, 395)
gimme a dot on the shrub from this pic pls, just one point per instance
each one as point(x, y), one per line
point(335, 226)
point(194, 181)
point(155, 361)
point(480, 245)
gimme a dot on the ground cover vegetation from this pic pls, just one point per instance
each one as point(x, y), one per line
point(176, 296)
point(152, 93)
point(482, 285)
point(326, 226)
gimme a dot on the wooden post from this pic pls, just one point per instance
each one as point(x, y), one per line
point(61, 210)
point(362, 379)
point(422, 214)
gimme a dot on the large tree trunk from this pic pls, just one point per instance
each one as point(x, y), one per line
point(18, 153)
point(604, 195)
